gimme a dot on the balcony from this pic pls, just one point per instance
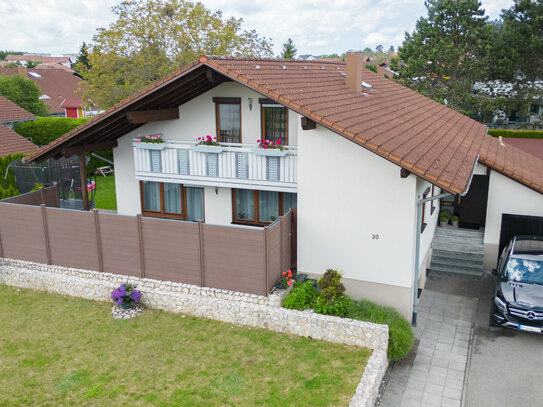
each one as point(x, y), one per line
point(229, 165)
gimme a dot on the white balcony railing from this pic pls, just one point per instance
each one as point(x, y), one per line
point(230, 165)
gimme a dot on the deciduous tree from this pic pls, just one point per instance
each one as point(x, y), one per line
point(152, 38)
point(23, 92)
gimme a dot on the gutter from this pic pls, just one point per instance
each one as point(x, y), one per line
point(417, 244)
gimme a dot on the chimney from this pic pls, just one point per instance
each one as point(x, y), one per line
point(353, 64)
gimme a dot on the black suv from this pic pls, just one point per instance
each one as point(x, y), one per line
point(518, 297)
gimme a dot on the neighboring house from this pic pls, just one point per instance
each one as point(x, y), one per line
point(56, 85)
point(73, 108)
point(361, 151)
point(498, 88)
point(45, 58)
point(11, 142)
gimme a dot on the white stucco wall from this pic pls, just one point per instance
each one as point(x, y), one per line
point(218, 205)
point(196, 119)
point(506, 196)
point(347, 196)
point(427, 235)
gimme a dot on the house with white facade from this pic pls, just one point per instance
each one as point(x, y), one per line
point(364, 160)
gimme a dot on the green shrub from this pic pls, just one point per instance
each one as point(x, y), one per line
point(303, 296)
point(46, 129)
point(8, 185)
point(516, 133)
point(331, 300)
point(399, 330)
point(371, 67)
point(444, 216)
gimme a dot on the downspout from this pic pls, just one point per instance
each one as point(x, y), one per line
point(417, 244)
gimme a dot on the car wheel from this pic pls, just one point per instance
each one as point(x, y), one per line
point(492, 320)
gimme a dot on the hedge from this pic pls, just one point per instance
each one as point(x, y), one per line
point(538, 134)
point(46, 129)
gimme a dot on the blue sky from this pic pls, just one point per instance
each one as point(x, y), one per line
point(316, 26)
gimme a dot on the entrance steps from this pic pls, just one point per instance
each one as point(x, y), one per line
point(458, 251)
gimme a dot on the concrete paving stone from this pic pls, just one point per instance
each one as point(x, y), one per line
point(412, 394)
point(434, 389)
point(428, 343)
point(418, 374)
point(440, 362)
point(411, 402)
point(422, 359)
point(454, 384)
point(447, 402)
point(425, 351)
point(458, 358)
point(457, 366)
point(448, 339)
point(429, 399)
point(444, 347)
point(438, 371)
point(401, 370)
point(416, 384)
point(455, 374)
point(458, 342)
point(451, 393)
point(436, 379)
point(439, 354)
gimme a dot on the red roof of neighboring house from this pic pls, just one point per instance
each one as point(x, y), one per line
point(26, 57)
point(11, 112)
point(416, 133)
point(54, 65)
point(71, 103)
point(11, 143)
point(530, 145)
point(57, 84)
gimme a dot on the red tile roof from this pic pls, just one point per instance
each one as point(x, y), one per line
point(530, 145)
point(74, 103)
point(58, 84)
point(11, 143)
point(11, 112)
point(402, 126)
point(26, 57)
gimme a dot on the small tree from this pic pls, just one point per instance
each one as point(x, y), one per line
point(289, 50)
point(23, 92)
point(32, 64)
point(82, 65)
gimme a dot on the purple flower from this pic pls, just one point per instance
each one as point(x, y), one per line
point(136, 296)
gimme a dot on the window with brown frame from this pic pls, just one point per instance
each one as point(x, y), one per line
point(172, 201)
point(260, 208)
point(228, 117)
point(274, 120)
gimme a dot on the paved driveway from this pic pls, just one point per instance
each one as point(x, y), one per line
point(505, 367)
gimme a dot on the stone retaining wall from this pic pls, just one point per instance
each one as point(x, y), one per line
point(221, 305)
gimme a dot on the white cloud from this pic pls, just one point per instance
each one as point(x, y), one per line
point(316, 26)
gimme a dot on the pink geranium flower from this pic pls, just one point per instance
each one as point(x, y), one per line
point(138, 140)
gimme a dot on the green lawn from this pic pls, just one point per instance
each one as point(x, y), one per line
point(105, 192)
point(57, 350)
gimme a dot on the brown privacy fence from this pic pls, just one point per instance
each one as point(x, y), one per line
point(233, 258)
point(48, 196)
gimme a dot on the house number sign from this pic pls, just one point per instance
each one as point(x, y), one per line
point(374, 237)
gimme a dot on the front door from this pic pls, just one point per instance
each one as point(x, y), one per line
point(471, 208)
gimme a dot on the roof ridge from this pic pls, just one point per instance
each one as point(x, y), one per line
point(266, 59)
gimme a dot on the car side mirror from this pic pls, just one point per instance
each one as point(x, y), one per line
point(495, 272)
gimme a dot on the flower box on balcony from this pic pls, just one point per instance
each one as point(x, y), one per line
point(270, 152)
point(150, 146)
point(202, 148)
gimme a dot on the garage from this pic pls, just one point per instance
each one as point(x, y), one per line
point(513, 225)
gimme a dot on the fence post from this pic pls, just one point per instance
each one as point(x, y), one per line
point(201, 245)
point(1, 248)
point(57, 196)
point(140, 234)
point(98, 240)
point(42, 196)
point(267, 257)
point(281, 219)
point(294, 238)
point(46, 234)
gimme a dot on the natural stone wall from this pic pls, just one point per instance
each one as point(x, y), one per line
point(227, 306)
point(368, 388)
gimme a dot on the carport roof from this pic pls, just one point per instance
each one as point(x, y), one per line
point(418, 134)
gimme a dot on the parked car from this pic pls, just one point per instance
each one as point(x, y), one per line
point(518, 297)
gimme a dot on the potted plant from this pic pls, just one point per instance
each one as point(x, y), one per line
point(454, 221)
point(286, 280)
point(207, 144)
point(270, 148)
point(125, 296)
point(444, 217)
point(150, 142)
